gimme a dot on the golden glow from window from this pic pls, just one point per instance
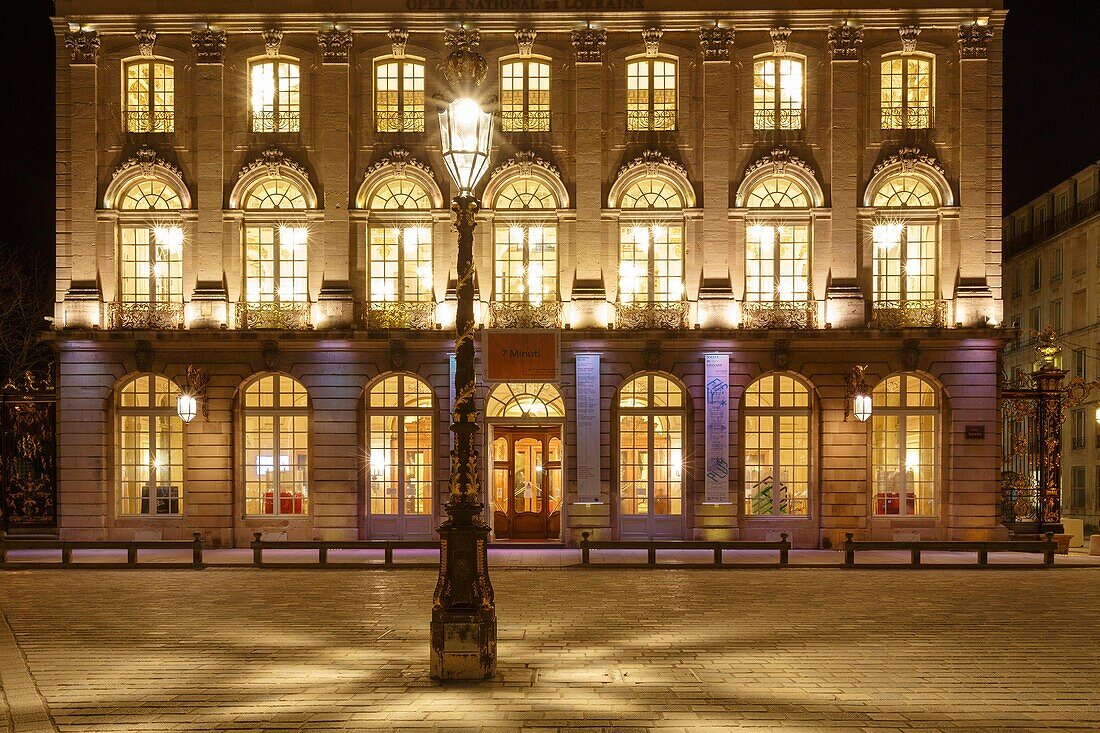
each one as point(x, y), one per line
point(275, 93)
point(525, 193)
point(399, 95)
point(149, 99)
point(275, 415)
point(276, 264)
point(400, 263)
point(906, 92)
point(777, 447)
point(525, 96)
point(651, 262)
point(651, 193)
point(651, 446)
point(275, 193)
point(778, 192)
point(651, 94)
point(149, 194)
point(778, 86)
point(150, 448)
point(400, 193)
point(150, 264)
point(777, 263)
point(525, 399)
point(905, 192)
point(526, 262)
point(903, 446)
point(905, 261)
point(399, 460)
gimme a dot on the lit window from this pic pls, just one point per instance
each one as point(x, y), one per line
point(276, 264)
point(525, 193)
point(903, 446)
point(525, 95)
point(151, 264)
point(400, 446)
point(777, 447)
point(150, 448)
point(399, 246)
point(399, 96)
point(777, 263)
point(400, 193)
point(275, 414)
point(651, 94)
point(149, 195)
point(149, 100)
point(275, 91)
point(526, 247)
point(651, 249)
point(905, 192)
point(651, 446)
point(525, 399)
point(905, 262)
point(777, 192)
point(778, 86)
point(906, 92)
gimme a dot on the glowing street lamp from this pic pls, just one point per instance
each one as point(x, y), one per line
point(187, 407)
point(858, 396)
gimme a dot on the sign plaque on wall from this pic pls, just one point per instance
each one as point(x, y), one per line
point(588, 428)
point(513, 355)
point(716, 487)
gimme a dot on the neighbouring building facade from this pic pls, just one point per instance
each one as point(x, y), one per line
point(710, 216)
point(1052, 264)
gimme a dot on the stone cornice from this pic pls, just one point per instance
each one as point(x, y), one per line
point(908, 158)
point(274, 160)
point(653, 159)
point(779, 159)
point(398, 158)
point(146, 159)
point(525, 160)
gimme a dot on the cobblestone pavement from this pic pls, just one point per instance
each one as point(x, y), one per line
point(583, 650)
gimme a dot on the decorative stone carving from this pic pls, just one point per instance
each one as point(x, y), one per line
point(525, 39)
point(399, 355)
point(209, 45)
point(651, 37)
point(974, 40)
point(146, 159)
point(270, 355)
point(464, 65)
point(143, 356)
point(781, 355)
point(588, 44)
point(83, 46)
point(780, 158)
point(145, 40)
point(335, 45)
point(399, 158)
point(909, 35)
point(273, 38)
point(652, 355)
point(525, 160)
point(779, 39)
point(398, 39)
point(910, 353)
point(908, 158)
point(652, 160)
point(845, 41)
point(715, 42)
point(275, 160)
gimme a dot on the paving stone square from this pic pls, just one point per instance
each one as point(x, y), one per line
point(595, 650)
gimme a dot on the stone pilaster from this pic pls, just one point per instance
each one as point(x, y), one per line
point(334, 153)
point(718, 141)
point(588, 291)
point(209, 300)
point(82, 300)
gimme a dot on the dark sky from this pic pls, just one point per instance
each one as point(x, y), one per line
point(1052, 107)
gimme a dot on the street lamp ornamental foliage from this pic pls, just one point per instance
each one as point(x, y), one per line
point(464, 626)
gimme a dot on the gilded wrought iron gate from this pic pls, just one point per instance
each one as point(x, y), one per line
point(1032, 411)
point(28, 468)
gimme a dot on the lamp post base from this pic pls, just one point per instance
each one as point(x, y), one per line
point(464, 619)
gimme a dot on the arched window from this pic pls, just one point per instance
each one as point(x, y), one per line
point(525, 399)
point(150, 253)
point(149, 99)
point(275, 88)
point(903, 446)
point(778, 90)
point(908, 83)
point(276, 251)
point(275, 194)
point(777, 249)
point(777, 446)
point(905, 192)
point(906, 249)
point(150, 447)
point(651, 446)
point(399, 428)
point(275, 417)
point(149, 194)
point(526, 242)
point(651, 247)
point(400, 194)
point(399, 94)
point(651, 94)
point(525, 94)
point(399, 251)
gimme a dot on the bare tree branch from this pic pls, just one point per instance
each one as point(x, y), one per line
point(25, 296)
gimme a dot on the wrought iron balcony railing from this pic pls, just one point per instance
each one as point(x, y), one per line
point(1063, 220)
point(644, 119)
point(418, 315)
point(288, 315)
point(283, 121)
point(909, 313)
point(670, 315)
point(913, 118)
point(781, 119)
point(143, 120)
point(779, 314)
point(525, 315)
point(525, 120)
point(144, 316)
point(399, 121)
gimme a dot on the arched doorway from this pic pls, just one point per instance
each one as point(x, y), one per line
point(525, 460)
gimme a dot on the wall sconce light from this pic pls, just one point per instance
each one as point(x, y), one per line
point(188, 402)
point(857, 397)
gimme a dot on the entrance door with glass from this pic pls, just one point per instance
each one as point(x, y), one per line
point(527, 483)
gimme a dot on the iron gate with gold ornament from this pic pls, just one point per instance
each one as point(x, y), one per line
point(28, 485)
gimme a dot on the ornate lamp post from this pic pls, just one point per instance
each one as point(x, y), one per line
point(464, 623)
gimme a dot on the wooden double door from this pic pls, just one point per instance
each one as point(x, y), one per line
point(526, 482)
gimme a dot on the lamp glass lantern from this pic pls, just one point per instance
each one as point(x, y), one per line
point(861, 406)
point(187, 407)
point(466, 133)
point(1098, 415)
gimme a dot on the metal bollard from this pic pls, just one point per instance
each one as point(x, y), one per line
point(257, 548)
point(849, 549)
point(785, 550)
point(196, 549)
point(914, 555)
point(584, 547)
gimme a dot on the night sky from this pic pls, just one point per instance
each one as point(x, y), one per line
point(1052, 108)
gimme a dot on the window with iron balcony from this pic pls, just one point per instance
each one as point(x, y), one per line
point(275, 94)
point(148, 99)
point(651, 94)
point(525, 243)
point(907, 91)
point(525, 94)
point(399, 94)
point(778, 91)
point(400, 288)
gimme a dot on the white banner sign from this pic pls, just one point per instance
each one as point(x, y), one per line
point(588, 428)
point(716, 488)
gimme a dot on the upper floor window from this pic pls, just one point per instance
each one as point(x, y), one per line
point(907, 91)
point(526, 242)
point(275, 92)
point(651, 244)
point(651, 94)
point(1036, 273)
point(150, 254)
point(777, 251)
point(905, 192)
point(149, 96)
point(399, 243)
point(525, 94)
point(778, 91)
point(275, 417)
point(1057, 264)
point(149, 469)
point(903, 446)
point(399, 95)
point(276, 246)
